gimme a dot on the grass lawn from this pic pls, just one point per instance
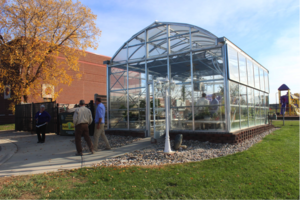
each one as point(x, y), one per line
point(7, 127)
point(268, 170)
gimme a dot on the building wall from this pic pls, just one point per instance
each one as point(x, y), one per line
point(93, 81)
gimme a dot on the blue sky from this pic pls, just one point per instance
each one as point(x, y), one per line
point(268, 30)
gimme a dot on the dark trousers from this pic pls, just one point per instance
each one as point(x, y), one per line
point(39, 131)
point(82, 130)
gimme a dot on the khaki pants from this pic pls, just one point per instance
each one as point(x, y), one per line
point(97, 134)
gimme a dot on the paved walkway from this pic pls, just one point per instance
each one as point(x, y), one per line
point(20, 153)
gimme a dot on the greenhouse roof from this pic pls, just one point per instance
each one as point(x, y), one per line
point(157, 42)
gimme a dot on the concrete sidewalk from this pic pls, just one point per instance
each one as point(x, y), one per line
point(7, 150)
point(55, 154)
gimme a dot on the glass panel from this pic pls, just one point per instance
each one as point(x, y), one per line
point(267, 100)
point(181, 111)
point(266, 116)
point(137, 105)
point(160, 109)
point(234, 105)
point(181, 118)
point(176, 30)
point(157, 48)
point(118, 119)
point(256, 76)
point(208, 65)
point(250, 97)
point(118, 100)
point(251, 107)
point(243, 69)
point(157, 68)
point(209, 105)
point(181, 68)
point(137, 98)
point(136, 79)
point(243, 106)
point(118, 77)
point(180, 43)
point(263, 100)
point(266, 81)
point(262, 81)
point(257, 107)
point(137, 119)
point(138, 39)
point(201, 40)
point(233, 64)
point(121, 57)
point(250, 73)
point(136, 52)
point(181, 96)
point(157, 33)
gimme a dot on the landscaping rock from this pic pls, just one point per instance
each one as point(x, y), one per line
point(178, 141)
point(197, 151)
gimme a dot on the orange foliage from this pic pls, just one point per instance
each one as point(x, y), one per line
point(32, 34)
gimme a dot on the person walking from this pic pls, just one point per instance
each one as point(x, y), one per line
point(41, 118)
point(82, 118)
point(99, 125)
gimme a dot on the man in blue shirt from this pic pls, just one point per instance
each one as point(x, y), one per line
point(99, 125)
point(214, 106)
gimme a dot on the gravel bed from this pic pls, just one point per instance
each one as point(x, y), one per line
point(196, 151)
point(115, 141)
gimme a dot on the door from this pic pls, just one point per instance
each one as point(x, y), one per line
point(157, 111)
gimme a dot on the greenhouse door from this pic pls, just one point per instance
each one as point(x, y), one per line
point(157, 111)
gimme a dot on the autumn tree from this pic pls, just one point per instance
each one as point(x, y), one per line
point(33, 33)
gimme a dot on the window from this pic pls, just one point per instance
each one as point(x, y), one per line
point(256, 76)
point(262, 81)
point(250, 73)
point(243, 69)
point(233, 65)
point(234, 105)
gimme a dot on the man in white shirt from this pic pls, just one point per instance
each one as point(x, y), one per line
point(82, 118)
point(202, 101)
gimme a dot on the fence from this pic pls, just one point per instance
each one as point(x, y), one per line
point(24, 117)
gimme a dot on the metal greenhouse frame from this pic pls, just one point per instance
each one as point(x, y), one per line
point(219, 88)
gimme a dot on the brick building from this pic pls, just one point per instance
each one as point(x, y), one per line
point(93, 81)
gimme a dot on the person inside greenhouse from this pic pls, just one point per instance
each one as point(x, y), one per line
point(202, 101)
point(214, 106)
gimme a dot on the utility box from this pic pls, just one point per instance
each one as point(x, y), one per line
point(66, 124)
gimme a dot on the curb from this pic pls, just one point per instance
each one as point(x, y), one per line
point(7, 150)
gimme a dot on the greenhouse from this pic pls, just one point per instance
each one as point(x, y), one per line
point(213, 86)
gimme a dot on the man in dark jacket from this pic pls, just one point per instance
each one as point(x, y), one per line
point(42, 118)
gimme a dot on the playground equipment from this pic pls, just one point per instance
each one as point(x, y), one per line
point(289, 101)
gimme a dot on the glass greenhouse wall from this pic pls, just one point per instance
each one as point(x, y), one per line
point(218, 87)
